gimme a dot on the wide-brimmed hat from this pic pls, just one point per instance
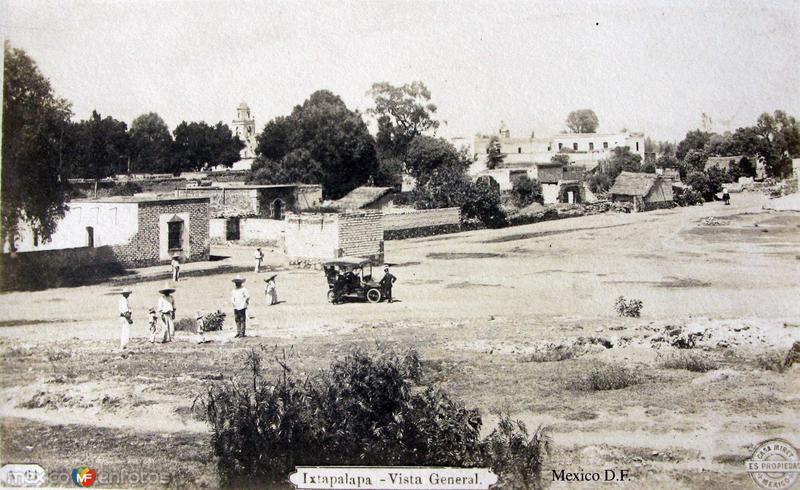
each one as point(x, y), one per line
point(271, 278)
point(238, 279)
point(199, 314)
point(151, 310)
point(126, 291)
point(176, 256)
point(166, 289)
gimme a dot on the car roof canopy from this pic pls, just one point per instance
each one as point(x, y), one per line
point(348, 262)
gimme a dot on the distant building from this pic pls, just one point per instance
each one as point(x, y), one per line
point(244, 126)
point(131, 231)
point(645, 191)
point(583, 149)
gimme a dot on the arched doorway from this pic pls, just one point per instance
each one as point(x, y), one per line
point(277, 209)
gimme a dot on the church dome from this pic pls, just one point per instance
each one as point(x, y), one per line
point(243, 107)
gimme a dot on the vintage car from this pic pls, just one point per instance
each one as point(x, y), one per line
point(350, 278)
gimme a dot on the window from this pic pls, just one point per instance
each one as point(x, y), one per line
point(90, 237)
point(637, 146)
point(232, 229)
point(519, 149)
point(605, 145)
point(549, 148)
point(575, 146)
point(591, 146)
point(175, 235)
point(559, 146)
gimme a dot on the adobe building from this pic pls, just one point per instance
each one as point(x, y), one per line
point(315, 237)
point(253, 214)
point(134, 231)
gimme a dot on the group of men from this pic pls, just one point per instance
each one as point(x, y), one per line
point(161, 319)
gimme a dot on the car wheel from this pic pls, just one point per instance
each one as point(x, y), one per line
point(373, 295)
point(331, 296)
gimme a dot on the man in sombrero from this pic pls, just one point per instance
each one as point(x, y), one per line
point(166, 309)
point(125, 318)
point(240, 299)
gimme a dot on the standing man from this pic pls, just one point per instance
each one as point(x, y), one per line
point(125, 319)
point(259, 258)
point(176, 267)
point(386, 283)
point(240, 299)
point(166, 308)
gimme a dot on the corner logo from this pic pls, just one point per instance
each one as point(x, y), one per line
point(774, 464)
point(83, 476)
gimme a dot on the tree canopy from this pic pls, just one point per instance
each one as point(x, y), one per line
point(426, 154)
point(339, 151)
point(151, 145)
point(98, 147)
point(402, 113)
point(35, 122)
point(582, 121)
point(198, 145)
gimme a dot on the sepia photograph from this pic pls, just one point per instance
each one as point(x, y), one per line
point(400, 245)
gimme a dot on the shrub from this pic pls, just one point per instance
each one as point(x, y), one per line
point(629, 308)
point(213, 322)
point(526, 191)
point(126, 189)
point(690, 361)
point(686, 196)
point(606, 377)
point(778, 361)
point(364, 410)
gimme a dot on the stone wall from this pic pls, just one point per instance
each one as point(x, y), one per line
point(361, 234)
point(420, 222)
point(46, 269)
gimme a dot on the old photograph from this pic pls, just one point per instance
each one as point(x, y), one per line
point(420, 244)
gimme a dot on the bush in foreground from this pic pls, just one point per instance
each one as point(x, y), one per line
point(606, 377)
point(691, 361)
point(631, 308)
point(364, 410)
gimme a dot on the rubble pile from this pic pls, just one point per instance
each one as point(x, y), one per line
point(712, 221)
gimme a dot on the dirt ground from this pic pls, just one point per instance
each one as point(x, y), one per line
point(485, 309)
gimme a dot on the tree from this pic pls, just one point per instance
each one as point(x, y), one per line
point(339, 151)
point(496, 155)
point(560, 158)
point(296, 167)
point(198, 145)
point(425, 154)
point(582, 121)
point(402, 114)
point(693, 161)
point(694, 140)
point(35, 121)
point(449, 186)
point(526, 191)
point(99, 147)
point(151, 145)
point(622, 160)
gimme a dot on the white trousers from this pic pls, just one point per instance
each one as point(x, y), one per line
point(125, 334)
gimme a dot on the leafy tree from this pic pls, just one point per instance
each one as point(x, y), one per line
point(425, 154)
point(35, 121)
point(390, 172)
point(198, 145)
point(622, 160)
point(694, 140)
point(560, 158)
point(151, 145)
point(526, 191)
point(339, 151)
point(693, 161)
point(297, 166)
point(708, 183)
point(582, 121)
point(402, 114)
point(496, 155)
point(99, 147)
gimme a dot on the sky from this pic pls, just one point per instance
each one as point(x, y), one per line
point(647, 66)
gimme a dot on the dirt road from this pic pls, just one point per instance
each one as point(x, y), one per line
point(479, 306)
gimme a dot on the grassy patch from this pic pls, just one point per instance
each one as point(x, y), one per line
point(697, 362)
point(559, 353)
point(606, 377)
